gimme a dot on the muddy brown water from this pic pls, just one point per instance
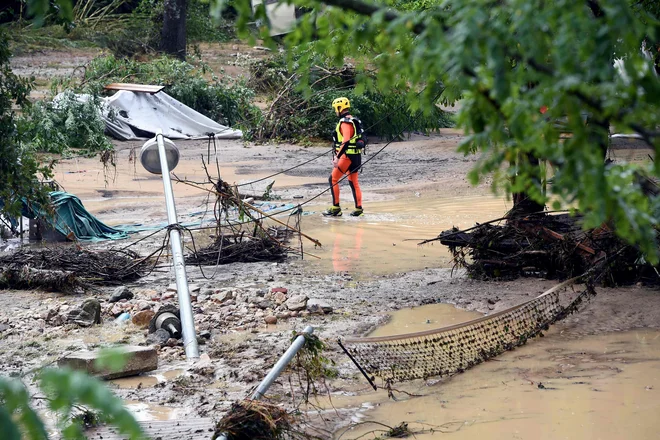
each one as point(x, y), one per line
point(595, 387)
point(386, 238)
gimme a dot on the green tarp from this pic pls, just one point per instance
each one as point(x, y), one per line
point(71, 216)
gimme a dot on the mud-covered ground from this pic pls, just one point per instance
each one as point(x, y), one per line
point(368, 267)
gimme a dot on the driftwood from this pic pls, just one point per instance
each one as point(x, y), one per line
point(31, 278)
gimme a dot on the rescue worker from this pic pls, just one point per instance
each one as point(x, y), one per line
point(347, 159)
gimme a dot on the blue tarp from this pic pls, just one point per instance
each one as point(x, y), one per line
point(71, 216)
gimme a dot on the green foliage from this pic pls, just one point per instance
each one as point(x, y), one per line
point(19, 165)
point(302, 113)
point(506, 60)
point(228, 103)
point(66, 124)
point(76, 399)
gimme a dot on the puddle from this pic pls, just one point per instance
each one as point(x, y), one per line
point(422, 318)
point(385, 240)
point(598, 387)
point(146, 380)
point(145, 412)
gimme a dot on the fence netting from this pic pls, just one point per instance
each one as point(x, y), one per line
point(454, 349)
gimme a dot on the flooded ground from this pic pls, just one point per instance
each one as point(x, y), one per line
point(596, 387)
point(597, 369)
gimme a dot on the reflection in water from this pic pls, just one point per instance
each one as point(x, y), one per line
point(347, 246)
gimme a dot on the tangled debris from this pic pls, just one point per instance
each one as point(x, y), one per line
point(240, 248)
point(547, 246)
point(69, 268)
point(29, 278)
point(254, 420)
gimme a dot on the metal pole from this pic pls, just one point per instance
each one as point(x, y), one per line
point(282, 363)
point(185, 308)
point(278, 368)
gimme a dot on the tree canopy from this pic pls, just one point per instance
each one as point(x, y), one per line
point(527, 72)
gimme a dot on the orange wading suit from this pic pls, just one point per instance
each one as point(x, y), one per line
point(348, 142)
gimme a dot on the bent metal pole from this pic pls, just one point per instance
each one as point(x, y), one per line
point(278, 368)
point(185, 308)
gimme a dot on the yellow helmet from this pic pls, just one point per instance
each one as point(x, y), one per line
point(341, 104)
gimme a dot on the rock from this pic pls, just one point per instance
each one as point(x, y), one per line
point(283, 315)
point(318, 306)
point(270, 319)
point(305, 313)
point(139, 360)
point(206, 292)
point(143, 318)
point(265, 304)
point(171, 342)
point(167, 295)
point(490, 301)
point(191, 288)
point(117, 310)
point(3, 328)
point(260, 292)
point(297, 302)
point(205, 334)
point(259, 314)
point(143, 305)
point(293, 314)
point(121, 292)
point(222, 296)
point(159, 337)
point(87, 315)
point(280, 298)
point(283, 290)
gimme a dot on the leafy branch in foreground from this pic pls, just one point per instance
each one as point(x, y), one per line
point(72, 396)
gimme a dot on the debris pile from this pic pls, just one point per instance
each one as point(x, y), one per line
point(253, 420)
point(67, 269)
point(546, 246)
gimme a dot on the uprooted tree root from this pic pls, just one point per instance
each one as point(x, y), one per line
point(254, 420)
point(67, 268)
point(548, 246)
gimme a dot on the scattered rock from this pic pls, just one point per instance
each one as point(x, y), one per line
point(3, 328)
point(87, 315)
point(293, 314)
point(283, 315)
point(305, 313)
point(318, 306)
point(260, 292)
point(121, 292)
point(205, 334)
point(284, 290)
point(191, 288)
point(143, 305)
point(167, 295)
point(159, 337)
point(117, 310)
point(297, 302)
point(280, 298)
point(265, 304)
point(491, 301)
point(142, 318)
point(270, 319)
point(222, 296)
point(171, 342)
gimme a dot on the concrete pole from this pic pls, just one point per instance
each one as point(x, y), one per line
point(185, 308)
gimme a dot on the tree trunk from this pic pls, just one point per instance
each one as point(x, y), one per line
point(523, 205)
point(173, 37)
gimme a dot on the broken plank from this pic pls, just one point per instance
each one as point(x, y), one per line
point(197, 428)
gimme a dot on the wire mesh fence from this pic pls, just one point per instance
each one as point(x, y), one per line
point(454, 349)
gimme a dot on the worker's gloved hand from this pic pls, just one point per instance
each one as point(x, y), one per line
point(335, 161)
